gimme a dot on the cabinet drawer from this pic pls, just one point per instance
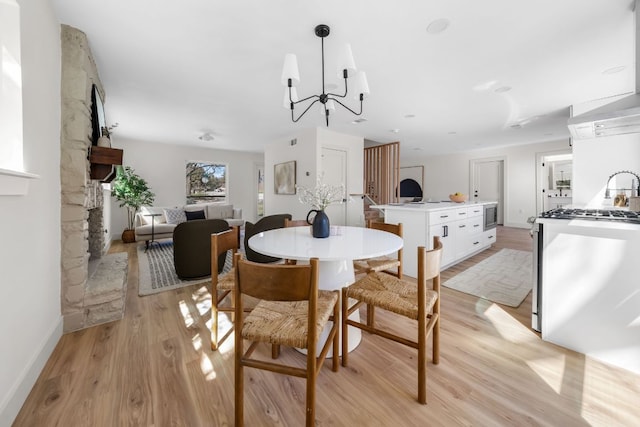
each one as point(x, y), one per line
point(475, 211)
point(475, 225)
point(460, 213)
point(438, 217)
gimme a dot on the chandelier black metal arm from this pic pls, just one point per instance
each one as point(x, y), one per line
point(322, 31)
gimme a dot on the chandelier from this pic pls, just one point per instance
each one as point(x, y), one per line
point(346, 69)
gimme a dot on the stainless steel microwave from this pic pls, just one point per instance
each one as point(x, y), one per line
point(490, 216)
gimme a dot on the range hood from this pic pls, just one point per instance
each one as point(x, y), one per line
point(620, 117)
point(617, 118)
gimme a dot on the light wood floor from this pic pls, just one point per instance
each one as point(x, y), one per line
point(155, 368)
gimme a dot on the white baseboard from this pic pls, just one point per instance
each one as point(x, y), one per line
point(18, 393)
point(517, 225)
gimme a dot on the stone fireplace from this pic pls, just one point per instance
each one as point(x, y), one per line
point(93, 285)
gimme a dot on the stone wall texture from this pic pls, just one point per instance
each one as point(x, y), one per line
point(80, 194)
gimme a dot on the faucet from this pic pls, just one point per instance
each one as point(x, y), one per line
point(607, 195)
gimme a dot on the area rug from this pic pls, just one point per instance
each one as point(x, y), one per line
point(156, 270)
point(505, 278)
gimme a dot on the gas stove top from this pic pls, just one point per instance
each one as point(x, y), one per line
point(594, 214)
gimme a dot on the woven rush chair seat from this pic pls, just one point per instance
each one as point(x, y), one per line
point(385, 263)
point(285, 323)
point(227, 282)
point(375, 264)
point(390, 293)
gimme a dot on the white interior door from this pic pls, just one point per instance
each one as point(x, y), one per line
point(334, 169)
point(488, 183)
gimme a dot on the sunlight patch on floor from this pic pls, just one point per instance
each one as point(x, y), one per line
point(550, 370)
point(196, 341)
point(184, 310)
point(207, 368)
point(202, 299)
point(508, 327)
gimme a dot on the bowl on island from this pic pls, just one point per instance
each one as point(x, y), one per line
point(458, 197)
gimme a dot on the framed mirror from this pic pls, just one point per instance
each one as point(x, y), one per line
point(97, 115)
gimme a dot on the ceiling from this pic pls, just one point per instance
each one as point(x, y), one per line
point(503, 72)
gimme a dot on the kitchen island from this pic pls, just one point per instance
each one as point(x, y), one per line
point(460, 226)
point(586, 290)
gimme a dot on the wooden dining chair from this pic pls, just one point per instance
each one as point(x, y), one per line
point(294, 223)
point(222, 285)
point(385, 263)
point(291, 312)
point(413, 300)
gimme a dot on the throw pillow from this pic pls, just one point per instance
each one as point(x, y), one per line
point(174, 216)
point(195, 215)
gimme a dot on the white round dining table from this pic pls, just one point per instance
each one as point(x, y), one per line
point(335, 254)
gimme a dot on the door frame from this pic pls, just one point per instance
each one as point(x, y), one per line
point(541, 175)
point(502, 202)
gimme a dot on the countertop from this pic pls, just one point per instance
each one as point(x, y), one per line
point(429, 206)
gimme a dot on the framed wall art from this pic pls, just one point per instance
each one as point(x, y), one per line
point(284, 178)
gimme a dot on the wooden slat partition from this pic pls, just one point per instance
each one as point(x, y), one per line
point(382, 172)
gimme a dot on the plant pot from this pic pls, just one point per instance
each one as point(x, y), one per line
point(128, 236)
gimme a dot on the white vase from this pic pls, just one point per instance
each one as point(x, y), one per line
point(104, 141)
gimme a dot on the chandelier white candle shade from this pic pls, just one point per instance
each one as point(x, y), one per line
point(290, 70)
point(346, 68)
point(346, 62)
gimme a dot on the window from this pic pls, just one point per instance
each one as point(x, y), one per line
point(206, 182)
point(13, 179)
point(10, 87)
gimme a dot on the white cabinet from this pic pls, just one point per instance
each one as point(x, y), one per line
point(460, 229)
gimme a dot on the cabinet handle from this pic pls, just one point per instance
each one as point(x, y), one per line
point(445, 230)
point(489, 237)
point(476, 243)
point(444, 216)
point(461, 226)
point(476, 225)
point(462, 213)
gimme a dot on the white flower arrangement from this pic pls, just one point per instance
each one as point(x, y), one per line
point(322, 195)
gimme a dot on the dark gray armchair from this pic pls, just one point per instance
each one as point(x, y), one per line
point(192, 247)
point(269, 222)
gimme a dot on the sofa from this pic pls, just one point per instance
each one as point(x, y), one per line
point(165, 219)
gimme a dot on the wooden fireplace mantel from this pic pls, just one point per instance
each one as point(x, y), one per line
point(103, 160)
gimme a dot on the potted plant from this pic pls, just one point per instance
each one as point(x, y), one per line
point(132, 192)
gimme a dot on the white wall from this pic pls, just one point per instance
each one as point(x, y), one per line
point(30, 318)
point(307, 153)
point(163, 167)
point(594, 160)
point(447, 174)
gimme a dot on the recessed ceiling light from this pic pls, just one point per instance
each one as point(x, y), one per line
point(394, 130)
point(502, 89)
point(614, 70)
point(438, 26)
point(357, 121)
point(452, 133)
point(409, 116)
point(207, 136)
